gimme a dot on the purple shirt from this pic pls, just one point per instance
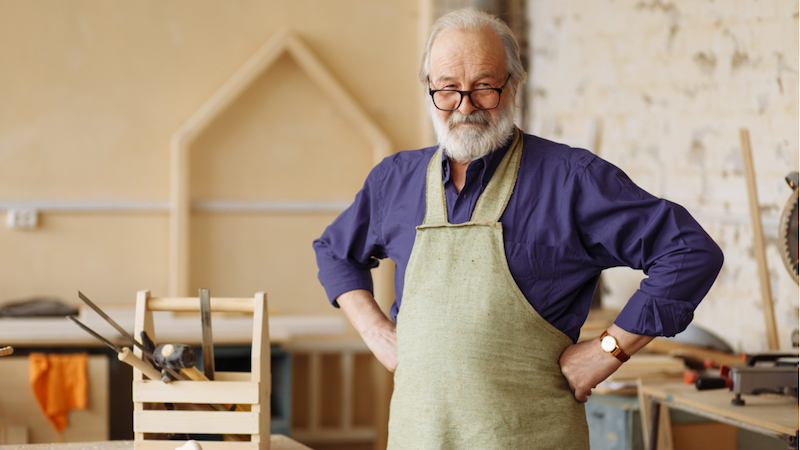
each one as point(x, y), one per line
point(571, 215)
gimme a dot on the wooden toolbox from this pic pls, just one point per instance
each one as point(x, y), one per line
point(182, 407)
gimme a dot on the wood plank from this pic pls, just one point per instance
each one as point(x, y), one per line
point(644, 412)
point(669, 346)
point(777, 414)
point(261, 368)
point(759, 250)
point(206, 422)
point(206, 445)
point(664, 441)
point(196, 392)
point(643, 365)
point(191, 304)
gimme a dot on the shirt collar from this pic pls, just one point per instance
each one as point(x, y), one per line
point(487, 165)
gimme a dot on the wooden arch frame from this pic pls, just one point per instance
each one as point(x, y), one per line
point(285, 41)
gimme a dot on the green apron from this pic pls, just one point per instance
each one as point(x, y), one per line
point(478, 366)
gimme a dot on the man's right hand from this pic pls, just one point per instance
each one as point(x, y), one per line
point(377, 330)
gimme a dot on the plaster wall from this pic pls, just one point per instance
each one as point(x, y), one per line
point(671, 82)
point(92, 92)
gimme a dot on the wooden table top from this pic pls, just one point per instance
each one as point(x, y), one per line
point(775, 413)
point(277, 442)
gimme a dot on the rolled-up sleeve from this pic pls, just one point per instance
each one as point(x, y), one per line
point(622, 225)
point(351, 246)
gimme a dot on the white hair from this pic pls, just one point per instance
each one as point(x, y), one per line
point(470, 19)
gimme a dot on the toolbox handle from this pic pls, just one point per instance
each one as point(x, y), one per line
point(184, 304)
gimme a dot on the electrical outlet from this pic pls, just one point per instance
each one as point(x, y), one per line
point(22, 218)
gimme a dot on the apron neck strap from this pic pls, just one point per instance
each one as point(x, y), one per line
point(494, 198)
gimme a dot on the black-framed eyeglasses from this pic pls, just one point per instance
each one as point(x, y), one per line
point(450, 99)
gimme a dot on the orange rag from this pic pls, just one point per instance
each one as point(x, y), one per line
point(59, 384)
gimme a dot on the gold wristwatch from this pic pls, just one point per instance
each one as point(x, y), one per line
point(609, 345)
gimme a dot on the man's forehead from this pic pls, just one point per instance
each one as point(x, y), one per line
point(478, 51)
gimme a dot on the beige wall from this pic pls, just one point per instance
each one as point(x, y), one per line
point(92, 91)
point(671, 83)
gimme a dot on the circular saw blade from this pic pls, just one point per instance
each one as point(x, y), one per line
point(788, 233)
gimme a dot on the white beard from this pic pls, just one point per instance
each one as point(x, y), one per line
point(465, 144)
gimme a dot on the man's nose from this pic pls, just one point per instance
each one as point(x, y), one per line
point(466, 106)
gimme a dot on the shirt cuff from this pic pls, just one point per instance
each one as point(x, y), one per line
point(336, 285)
point(651, 316)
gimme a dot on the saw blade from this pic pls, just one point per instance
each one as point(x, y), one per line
point(789, 229)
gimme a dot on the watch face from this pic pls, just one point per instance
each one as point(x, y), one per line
point(608, 344)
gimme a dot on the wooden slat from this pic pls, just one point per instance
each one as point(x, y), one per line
point(669, 346)
point(314, 381)
point(233, 376)
point(261, 367)
point(207, 445)
point(644, 412)
point(758, 242)
point(664, 441)
point(277, 441)
point(645, 365)
point(189, 304)
point(196, 392)
point(143, 321)
point(348, 368)
point(206, 422)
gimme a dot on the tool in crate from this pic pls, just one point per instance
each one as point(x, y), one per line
point(166, 362)
point(147, 366)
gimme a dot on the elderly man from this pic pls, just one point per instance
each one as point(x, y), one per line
point(499, 239)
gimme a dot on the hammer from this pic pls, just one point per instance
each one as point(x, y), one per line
point(183, 357)
point(179, 357)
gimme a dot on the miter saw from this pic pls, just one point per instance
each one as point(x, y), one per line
point(788, 228)
point(775, 372)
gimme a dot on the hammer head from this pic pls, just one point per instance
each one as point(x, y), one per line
point(175, 356)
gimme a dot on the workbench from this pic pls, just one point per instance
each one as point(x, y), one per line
point(771, 415)
point(277, 442)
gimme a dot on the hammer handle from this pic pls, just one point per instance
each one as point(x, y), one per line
point(193, 374)
point(129, 358)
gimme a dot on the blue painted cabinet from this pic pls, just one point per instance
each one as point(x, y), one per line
point(614, 422)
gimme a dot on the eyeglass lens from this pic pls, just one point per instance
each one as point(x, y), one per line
point(481, 99)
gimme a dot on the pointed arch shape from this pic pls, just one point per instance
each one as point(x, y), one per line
point(284, 41)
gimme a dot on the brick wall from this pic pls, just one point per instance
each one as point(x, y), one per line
point(669, 84)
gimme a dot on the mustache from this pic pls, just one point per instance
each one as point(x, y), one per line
point(478, 117)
